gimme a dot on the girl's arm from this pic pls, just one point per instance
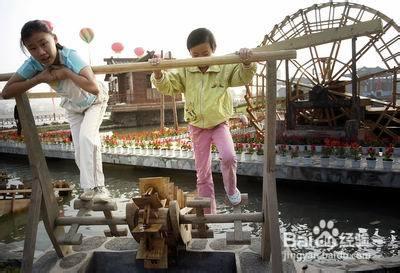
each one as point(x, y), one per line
point(85, 79)
point(166, 82)
point(17, 85)
point(243, 73)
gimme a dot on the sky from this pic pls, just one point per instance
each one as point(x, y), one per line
point(151, 24)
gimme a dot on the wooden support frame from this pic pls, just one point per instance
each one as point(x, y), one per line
point(43, 199)
point(43, 196)
point(271, 240)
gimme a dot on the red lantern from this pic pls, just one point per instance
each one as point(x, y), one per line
point(139, 51)
point(117, 47)
point(49, 24)
point(86, 34)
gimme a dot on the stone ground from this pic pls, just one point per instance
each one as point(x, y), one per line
point(100, 254)
point(219, 256)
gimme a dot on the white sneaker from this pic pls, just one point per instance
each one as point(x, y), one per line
point(102, 195)
point(236, 198)
point(87, 195)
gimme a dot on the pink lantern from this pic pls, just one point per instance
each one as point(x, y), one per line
point(86, 34)
point(49, 24)
point(139, 51)
point(117, 47)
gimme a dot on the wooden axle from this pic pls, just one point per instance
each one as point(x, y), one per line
point(256, 217)
point(90, 221)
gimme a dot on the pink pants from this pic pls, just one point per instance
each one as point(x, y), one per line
point(202, 140)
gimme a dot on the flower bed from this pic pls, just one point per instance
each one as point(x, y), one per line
point(170, 142)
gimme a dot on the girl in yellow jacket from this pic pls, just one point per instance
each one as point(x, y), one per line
point(208, 107)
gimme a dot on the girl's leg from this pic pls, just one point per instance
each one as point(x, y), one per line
point(75, 121)
point(91, 171)
point(201, 139)
point(222, 138)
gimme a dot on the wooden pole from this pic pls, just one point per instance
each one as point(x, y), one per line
point(42, 191)
point(289, 110)
point(254, 217)
point(31, 228)
point(129, 98)
point(355, 97)
point(168, 64)
point(162, 112)
point(271, 240)
point(175, 113)
point(394, 91)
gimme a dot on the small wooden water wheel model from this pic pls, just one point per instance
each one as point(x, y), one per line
point(334, 80)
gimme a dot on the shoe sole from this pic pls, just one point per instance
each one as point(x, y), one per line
point(101, 200)
point(85, 198)
point(229, 204)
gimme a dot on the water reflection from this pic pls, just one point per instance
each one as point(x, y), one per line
point(364, 222)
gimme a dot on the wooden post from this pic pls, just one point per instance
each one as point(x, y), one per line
point(394, 91)
point(290, 119)
point(162, 112)
point(31, 229)
point(175, 113)
point(42, 191)
point(129, 98)
point(355, 97)
point(271, 240)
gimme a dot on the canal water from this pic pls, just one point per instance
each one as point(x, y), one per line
point(317, 221)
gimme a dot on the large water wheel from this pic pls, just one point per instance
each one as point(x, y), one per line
point(316, 85)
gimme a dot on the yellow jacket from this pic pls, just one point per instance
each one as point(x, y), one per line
point(207, 99)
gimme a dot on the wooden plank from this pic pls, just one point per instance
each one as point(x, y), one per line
point(90, 220)
point(31, 228)
point(160, 185)
point(171, 192)
point(90, 205)
point(237, 226)
point(132, 216)
point(196, 201)
point(222, 218)
point(245, 238)
point(326, 36)
point(155, 251)
point(13, 205)
point(197, 233)
point(151, 200)
point(162, 263)
point(238, 236)
point(40, 173)
point(113, 227)
point(185, 210)
point(174, 218)
point(153, 228)
point(181, 198)
point(270, 243)
point(72, 237)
